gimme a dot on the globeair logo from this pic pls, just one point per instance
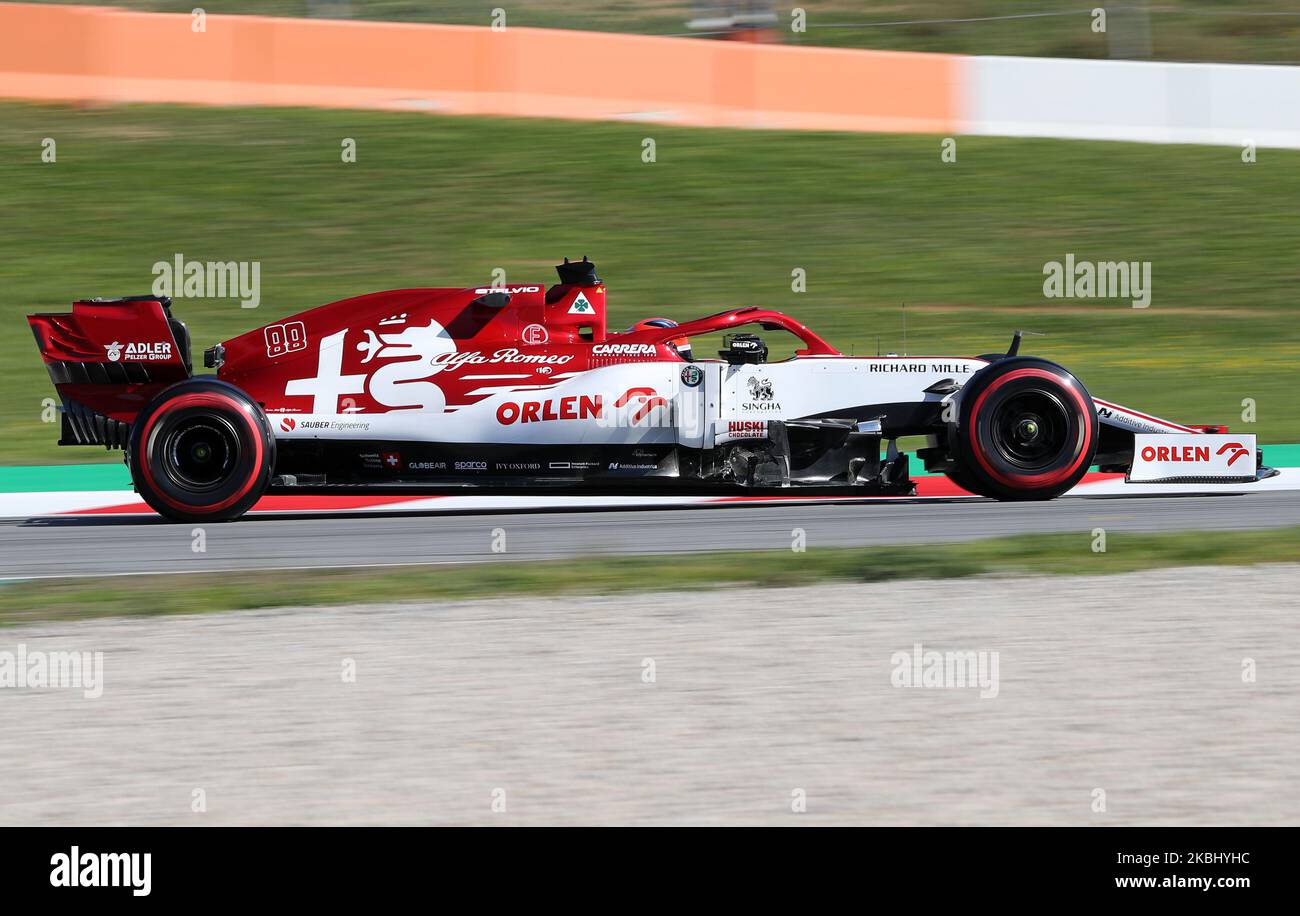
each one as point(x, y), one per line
point(103, 869)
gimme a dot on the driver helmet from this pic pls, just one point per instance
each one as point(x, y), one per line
point(681, 344)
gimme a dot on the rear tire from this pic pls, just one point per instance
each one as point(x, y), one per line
point(1028, 430)
point(202, 451)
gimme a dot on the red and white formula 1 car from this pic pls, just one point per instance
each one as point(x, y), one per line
point(524, 387)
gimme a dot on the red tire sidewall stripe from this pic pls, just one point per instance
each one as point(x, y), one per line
point(201, 399)
point(1047, 478)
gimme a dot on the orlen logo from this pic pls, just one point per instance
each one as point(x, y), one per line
point(573, 408)
point(1175, 453)
point(643, 401)
point(1193, 453)
point(1238, 451)
point(1164, 457)
point(287, 424)
point(640, 401)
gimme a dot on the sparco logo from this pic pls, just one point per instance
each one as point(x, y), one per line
point(471, 465)
point(138, 352)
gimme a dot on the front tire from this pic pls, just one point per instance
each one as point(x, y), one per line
point(1027, 431)
point(202, 451)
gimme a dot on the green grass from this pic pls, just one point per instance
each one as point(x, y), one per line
point(1015, 556)
point(1217, 30)
point(720, 220)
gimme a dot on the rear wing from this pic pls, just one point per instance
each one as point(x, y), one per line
point(107, 358)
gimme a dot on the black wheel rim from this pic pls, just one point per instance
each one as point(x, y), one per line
point(201, 453)
point(1031, 429)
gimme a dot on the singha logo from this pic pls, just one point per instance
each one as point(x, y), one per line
point(761, 398)
point(114, 351)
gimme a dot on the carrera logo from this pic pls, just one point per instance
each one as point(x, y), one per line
point(624, 350)
point(138, 352)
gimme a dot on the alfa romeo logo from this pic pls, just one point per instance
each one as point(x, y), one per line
point(692, 376)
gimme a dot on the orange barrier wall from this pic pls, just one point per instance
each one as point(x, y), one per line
point(100, 54)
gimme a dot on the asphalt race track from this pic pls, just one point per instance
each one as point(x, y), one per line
point(104, 545)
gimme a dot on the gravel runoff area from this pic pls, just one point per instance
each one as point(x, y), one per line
point(729, 707)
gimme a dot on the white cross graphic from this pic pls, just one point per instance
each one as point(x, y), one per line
point(329, 383)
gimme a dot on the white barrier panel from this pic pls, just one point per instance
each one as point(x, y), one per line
point(1145, 102)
